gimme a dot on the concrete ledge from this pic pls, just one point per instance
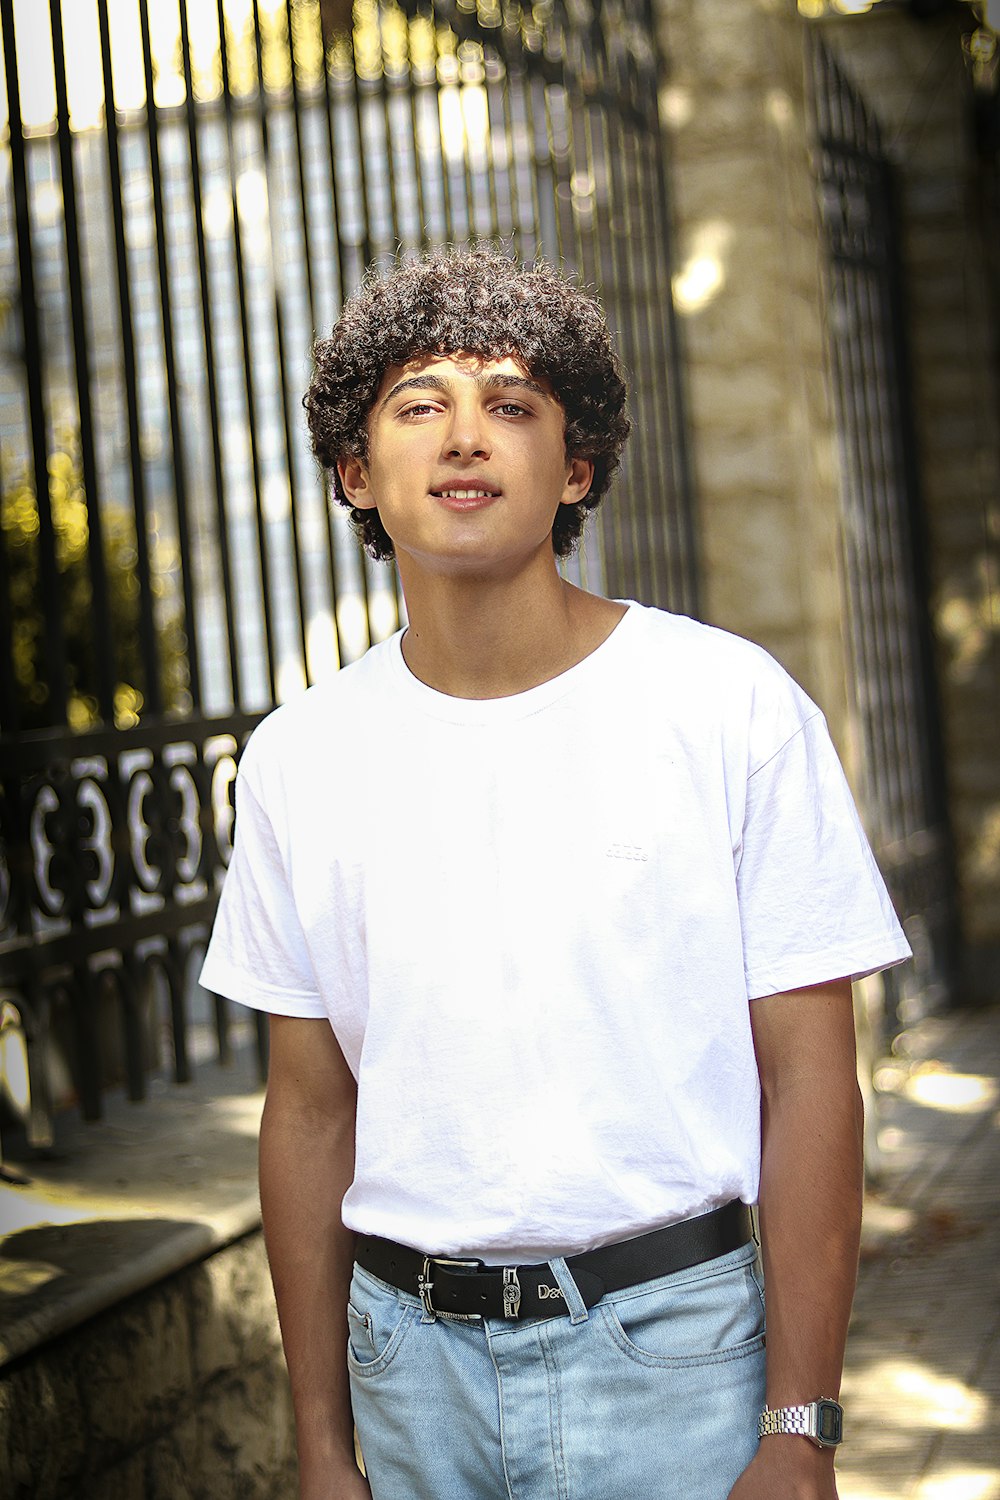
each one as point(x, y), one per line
point(118, 1205)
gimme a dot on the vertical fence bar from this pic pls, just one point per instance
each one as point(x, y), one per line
point(10, 714)
point(279, 314)
point(418, 167)
point(211, 375)
point(382, 88)
point(55, 642)
point(308, 242)
point(246, 360)
point(177, 443)
point(147, 626)
point(102, 637)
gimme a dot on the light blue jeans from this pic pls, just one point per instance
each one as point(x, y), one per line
point(652, 1395)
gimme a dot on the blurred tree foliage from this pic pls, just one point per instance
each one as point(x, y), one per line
point(32, 672)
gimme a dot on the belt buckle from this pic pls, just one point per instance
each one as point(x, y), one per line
point(425, 1285)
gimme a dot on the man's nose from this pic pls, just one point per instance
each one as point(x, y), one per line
point(467, 436)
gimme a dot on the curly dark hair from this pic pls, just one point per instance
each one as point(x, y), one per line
point(478, 301)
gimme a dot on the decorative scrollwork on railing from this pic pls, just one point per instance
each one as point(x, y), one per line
point(112, 851)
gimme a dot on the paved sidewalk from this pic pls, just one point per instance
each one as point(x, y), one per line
point(922, 1390)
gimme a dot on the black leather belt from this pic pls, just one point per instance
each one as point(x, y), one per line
point(467, 1289)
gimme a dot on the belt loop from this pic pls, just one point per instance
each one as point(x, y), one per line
point(575, 1304)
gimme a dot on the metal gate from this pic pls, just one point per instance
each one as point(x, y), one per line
point(191, 190)
point(888, 624)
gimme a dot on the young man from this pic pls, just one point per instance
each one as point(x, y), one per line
point(554, 903)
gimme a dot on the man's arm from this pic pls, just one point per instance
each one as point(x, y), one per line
point(810, 1219)
point(306, 1167)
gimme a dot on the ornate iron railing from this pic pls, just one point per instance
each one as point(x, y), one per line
point(186, 210)
point(888, 626)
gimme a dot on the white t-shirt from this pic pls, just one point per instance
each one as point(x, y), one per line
point(534, 924)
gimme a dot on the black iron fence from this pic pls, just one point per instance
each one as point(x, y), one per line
point(191, 190)
point(888, 625)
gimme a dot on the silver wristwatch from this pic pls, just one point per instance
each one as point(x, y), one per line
point(822, 1422)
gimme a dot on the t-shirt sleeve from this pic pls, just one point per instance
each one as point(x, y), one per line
point(813, 904)
point(258, 953)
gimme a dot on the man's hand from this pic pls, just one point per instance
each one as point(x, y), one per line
point(787, 1468)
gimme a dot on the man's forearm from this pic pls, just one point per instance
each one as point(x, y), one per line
point(810, 1220)
point(306, 1166)
point(810, 1216)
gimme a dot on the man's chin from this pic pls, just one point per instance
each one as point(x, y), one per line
point(471, 558)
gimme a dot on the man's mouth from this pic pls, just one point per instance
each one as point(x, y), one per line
point(465, 497)
point(465, 494)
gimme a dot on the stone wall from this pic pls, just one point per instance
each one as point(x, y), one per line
point(748, 255)
point(749, 291)
point(177, 1393)
point(915, 76)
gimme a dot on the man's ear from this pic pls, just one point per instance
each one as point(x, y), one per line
point(356, 483)
point(579, 478)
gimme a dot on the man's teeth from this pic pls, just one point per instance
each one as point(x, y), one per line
point(466, 494)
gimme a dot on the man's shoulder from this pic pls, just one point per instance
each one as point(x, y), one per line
point(322, 714)
point(707, 652)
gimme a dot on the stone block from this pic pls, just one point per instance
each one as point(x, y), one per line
point(980, 908)
point(739, 398)
point(705, 122)
point(22, 1431)
point(730, 331)
point(172, 1464)
point(950, 479)
point(933, 198)
point(749, 468)
point(246, 1438)
point(948, 432)
point(730, 43)
point(752, 566)
point(936, 251)
point(135, 1367)
point(123, 1481)
point(233, 1318)
point(946, 390)
point(740, 183)
point(40, 1396)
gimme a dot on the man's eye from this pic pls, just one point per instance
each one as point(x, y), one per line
point(511, 408)
point(417, 409)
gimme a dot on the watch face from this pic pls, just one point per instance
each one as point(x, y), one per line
point(831, 1422)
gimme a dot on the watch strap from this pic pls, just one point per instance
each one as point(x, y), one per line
point(803, 1421)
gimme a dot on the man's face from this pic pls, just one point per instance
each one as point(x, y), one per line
point(466, 463)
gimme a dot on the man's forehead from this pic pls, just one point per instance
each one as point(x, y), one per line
point(483, 369)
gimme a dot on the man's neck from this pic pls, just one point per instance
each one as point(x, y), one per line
point(492, 638)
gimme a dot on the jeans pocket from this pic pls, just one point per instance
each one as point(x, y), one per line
point(377, 1323)
point(715, 1315)
point(360, 1335)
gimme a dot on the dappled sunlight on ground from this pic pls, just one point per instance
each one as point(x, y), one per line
point(959, 1483)
point(938, 1086)
point(922, 1385)
point(916, 1395)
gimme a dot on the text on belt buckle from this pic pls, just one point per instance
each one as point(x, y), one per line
point(511, 1292)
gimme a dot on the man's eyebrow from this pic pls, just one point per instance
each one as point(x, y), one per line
point(507, 382)
point(484, 382)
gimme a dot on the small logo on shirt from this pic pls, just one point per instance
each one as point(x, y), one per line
point(627, 851)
